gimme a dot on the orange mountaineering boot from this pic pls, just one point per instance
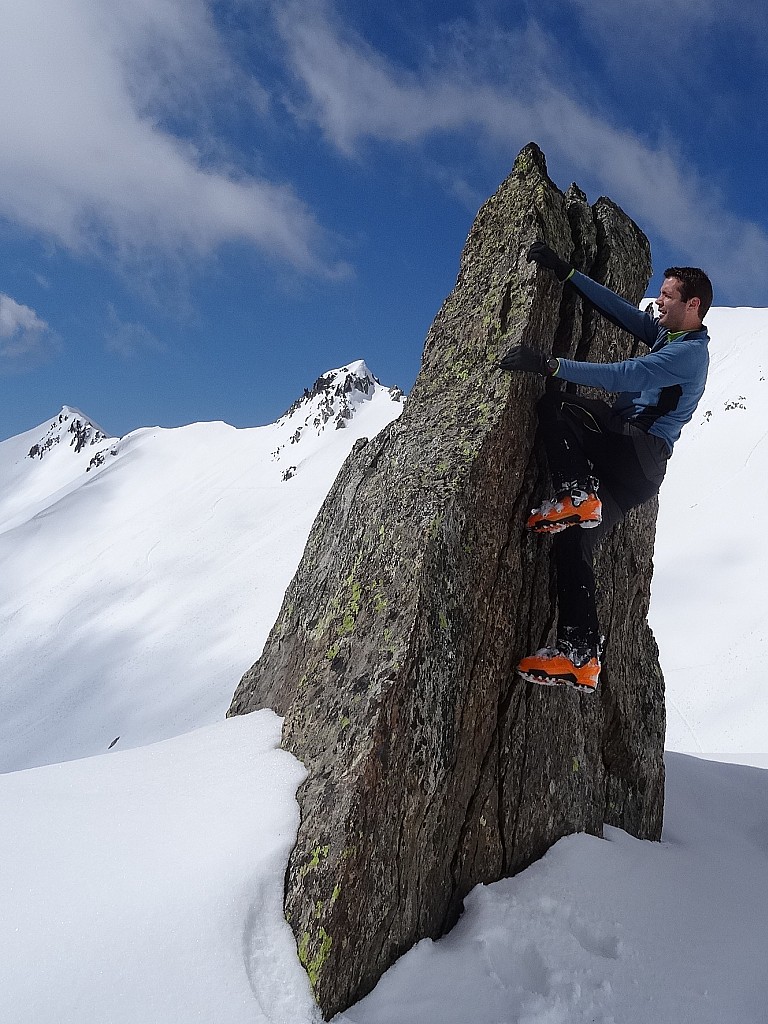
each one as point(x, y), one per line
point(574, 507)
point(564, 665)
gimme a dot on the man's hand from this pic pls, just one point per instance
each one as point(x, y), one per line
point(527, 360)
point(546, 257)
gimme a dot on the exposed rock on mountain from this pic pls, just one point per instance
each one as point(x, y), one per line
point(333, 398)
point(432, 766)
point(330, 403)
point(72, 427)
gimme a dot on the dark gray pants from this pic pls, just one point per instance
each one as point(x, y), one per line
point(584, 438)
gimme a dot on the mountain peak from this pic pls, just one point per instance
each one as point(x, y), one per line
point(71, 426)
point(336, 395)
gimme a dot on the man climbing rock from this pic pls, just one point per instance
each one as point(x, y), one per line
point(606, 459)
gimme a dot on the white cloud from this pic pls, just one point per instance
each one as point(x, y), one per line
point(25, 338)
point(673, 26)
point(84, 156)
point(663, 193)
point(16, 319)
point(506, 90)
point(129, 340)
point(355, 93)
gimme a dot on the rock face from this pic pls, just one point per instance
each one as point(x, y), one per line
point(432, 766)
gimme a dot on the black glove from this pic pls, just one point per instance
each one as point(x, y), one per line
point(546, 257)
point(528, 360)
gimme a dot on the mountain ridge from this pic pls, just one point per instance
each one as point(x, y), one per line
point(165, 562)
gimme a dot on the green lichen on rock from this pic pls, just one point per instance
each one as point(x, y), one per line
point(317, 856)
point(313, 954)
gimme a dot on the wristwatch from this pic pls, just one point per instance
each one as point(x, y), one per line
point(553, 365)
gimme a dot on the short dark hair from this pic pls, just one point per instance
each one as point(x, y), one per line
point(694, 284)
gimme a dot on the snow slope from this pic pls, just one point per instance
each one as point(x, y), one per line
point(618, 931)
point(130, 882)
point(709, 608)
point(145, 885)
point(135, 593)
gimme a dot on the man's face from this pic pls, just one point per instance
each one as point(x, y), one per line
point(674, 313)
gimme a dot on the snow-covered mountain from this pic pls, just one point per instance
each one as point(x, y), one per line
point(139, 577)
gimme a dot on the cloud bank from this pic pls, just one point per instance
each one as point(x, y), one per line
point(25, 339)
point(112, 140)
point(507, 88)
point(86, 94)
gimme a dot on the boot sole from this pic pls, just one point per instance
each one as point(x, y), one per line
point(557, 681)
point(557, 526)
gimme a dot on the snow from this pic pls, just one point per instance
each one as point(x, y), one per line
point(146, 886)
point(134, 595)
point(708, 608)
point(613, 931)
point(129, 883)
point(141, 880)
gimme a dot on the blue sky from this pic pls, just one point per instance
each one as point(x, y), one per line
point(205, 205)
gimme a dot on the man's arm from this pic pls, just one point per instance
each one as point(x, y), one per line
point(616, 309)
point(677, 363)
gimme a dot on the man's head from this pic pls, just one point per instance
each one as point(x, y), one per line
point(684, 299)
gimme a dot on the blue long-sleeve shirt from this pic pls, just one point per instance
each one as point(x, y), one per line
point(658, 391)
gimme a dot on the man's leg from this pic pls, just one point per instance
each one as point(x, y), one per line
point(575, 657)
point(573, 431)
point(576, 607)
point(586, 443)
